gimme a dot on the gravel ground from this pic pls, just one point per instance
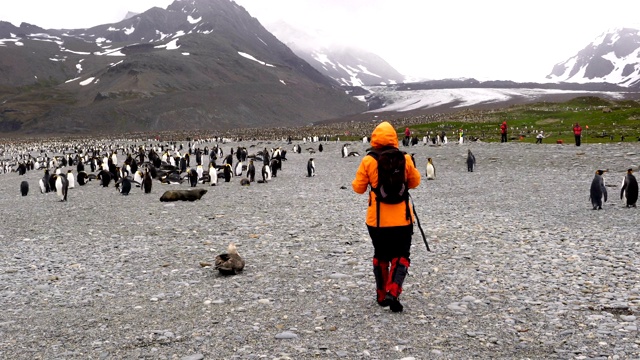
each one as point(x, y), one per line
point(521, 266)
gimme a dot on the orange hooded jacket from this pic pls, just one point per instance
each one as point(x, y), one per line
point(367, 174)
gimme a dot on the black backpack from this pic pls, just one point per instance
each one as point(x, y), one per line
point(392, 186)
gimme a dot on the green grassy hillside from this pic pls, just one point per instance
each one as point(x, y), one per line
point(601, 120)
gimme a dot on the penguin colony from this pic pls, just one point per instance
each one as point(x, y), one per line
point(147, 167)
point(136, 166)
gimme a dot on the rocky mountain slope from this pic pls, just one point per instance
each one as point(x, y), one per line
point(614, 58)
point(197, 64)
point(347, 65)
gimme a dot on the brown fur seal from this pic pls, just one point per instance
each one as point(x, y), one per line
point(183, 195)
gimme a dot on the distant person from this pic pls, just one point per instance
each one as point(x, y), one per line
point(503, 132)
point(539, 137)
point(390, 223)
point(407, 136)
point(577, 132)
point(461, 136)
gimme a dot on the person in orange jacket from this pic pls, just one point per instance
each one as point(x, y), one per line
point(391, 237)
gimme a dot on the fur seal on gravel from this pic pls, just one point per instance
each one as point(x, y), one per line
point(183, 195)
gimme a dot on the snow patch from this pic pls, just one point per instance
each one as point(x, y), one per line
point(86, 82)
point(171, 45)
point(129, 31)
point(186, 54)
point(282, 81)
point(250, 57)
point(191, 20)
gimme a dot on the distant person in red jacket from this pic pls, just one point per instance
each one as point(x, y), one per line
point(407, 137)
point(577, 132)
point(503, 132)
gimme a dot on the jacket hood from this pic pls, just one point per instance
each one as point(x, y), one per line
point(384, 135)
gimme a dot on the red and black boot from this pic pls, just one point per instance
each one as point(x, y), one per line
point(399, 270)
point(381, 272)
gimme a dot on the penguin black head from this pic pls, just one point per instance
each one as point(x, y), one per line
point(629, 171)
point(600, 172)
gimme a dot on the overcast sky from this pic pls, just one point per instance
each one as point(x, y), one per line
point(485, 39)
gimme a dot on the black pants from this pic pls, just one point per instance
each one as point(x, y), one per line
point(539, 141)
point(503, 138)
point(391, 242)
point(578, 138)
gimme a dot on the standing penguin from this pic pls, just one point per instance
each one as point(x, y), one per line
point(125, 187)
point(146, 182)
point(431, 170)
point(311, 168)
point(629, 189)
point(345, 151)
point(105, 178)
point(238, 169)
point(24, 188)
point(71, 179)
point(199, 171)
point(45, 182)
point(227, 172)
point(193, 177)
point(266, 174)
point(598, 190)
point(471, 161)
point(82, 178)
point(62, 186)
point(213, 174)
point(320, 148)
point(251, 171)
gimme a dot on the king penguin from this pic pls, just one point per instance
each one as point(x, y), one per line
point(24, 188)
point(311, 168)
point(147, 182)
point(213, 174)
point(238, 169)
point(71, 179)
point(251, 171)
point(471, 161)
point(345, 151)
point(62, 186)
point(431, 170)
point(598, 190)
point(83, 177)
point(125, 187)
point(629, 189)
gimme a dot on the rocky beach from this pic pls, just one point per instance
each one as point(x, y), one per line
point(521, 266)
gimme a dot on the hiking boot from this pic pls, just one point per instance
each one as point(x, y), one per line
point(385, 302)
point(394, 303)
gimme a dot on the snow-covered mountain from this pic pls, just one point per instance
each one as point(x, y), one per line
point(614, 57)
point(348, 65)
